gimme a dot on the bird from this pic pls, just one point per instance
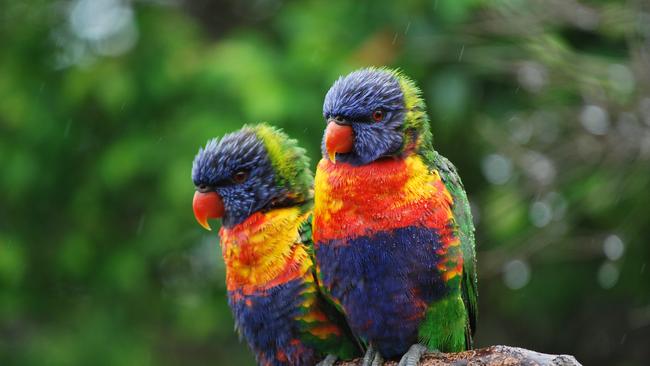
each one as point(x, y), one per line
point(392, 226)
point(258, 182)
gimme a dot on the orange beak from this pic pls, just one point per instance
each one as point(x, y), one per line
point(206, 206)
point(338, 139)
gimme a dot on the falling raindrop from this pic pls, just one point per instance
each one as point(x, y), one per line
point(66, 131)
point(140, 225)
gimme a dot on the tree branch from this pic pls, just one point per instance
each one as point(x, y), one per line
point(489, 356)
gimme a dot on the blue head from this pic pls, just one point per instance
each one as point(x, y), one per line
point(254, 169)
point(369, 114)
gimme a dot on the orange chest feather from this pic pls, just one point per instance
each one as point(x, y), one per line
point(264, 251)
point(356, 201)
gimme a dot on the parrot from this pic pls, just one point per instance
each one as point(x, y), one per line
point(258, 182)
point(392, 226)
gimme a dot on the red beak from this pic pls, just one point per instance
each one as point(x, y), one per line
point(338, 139)
point(206, 206)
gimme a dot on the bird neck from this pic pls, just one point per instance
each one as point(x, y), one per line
point(417, 132)
point(387, 194)
point(265, 250)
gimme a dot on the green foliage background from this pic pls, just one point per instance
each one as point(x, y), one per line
point(544, 106)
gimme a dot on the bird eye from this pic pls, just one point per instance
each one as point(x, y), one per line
point(378, 115)
point(203, 188)
point(240, 176)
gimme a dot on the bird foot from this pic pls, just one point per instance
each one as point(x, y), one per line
point(372, 358)
point(330, 360)
point(413, 355)
point(378, 360)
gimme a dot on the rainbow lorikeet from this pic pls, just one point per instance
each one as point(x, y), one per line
point(258, 182)
point(392, 227)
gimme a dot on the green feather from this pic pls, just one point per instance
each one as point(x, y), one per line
point(417, 134)
point(344, 347)
point(463, 219)
point(291, 167)
point(289, 161)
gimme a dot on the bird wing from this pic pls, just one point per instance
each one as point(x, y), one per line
point(463, 218)
point(349, 344)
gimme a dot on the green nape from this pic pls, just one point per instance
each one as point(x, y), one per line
point(289, 160)
point(416, 128)
point(444, 327)
point(438, 331)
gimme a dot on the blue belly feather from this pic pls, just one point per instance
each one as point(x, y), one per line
point(267, 322)
point(382, 281)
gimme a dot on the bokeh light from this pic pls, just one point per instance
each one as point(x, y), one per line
point(542, 106)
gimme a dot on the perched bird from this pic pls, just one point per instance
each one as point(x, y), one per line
point(258, 182)
point(392, 227)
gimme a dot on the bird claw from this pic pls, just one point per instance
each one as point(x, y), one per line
point(413, 355)
point(378, 360)
point(329, 360)
point(372, 358)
